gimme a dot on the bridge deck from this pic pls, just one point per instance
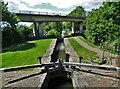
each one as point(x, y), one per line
point(44, 18)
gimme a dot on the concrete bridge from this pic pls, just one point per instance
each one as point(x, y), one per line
point(40, 17)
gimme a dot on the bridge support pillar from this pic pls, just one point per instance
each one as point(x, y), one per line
point(34, 29)
point(81, 28)
point(72, 28)
point(41, 29)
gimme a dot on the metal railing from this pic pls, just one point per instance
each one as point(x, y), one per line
point(40, 13)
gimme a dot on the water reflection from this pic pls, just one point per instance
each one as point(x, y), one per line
point(61, 50)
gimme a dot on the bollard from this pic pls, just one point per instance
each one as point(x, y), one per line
point(52, 57)
point(118, 69)
point(40, 59)
point(67, 58)
point(80, 59)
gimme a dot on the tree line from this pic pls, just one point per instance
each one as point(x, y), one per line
point(103, 24)
point(12, 33)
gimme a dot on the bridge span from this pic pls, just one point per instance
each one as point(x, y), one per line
point(40, 17)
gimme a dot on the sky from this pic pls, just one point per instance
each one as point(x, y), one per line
point(51, 6)
point(64, 6)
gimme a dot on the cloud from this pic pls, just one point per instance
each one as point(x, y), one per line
point(62, 6)
point(13, 7)
point(49, 6)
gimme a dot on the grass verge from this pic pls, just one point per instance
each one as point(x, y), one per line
point(108, 49)
point(89, 43)
point(26, 54)
point(81, 51)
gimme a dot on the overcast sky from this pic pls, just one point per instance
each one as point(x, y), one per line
point(57, 6)
point(62, 6)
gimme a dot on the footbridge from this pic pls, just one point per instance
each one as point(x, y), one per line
point(40, 17)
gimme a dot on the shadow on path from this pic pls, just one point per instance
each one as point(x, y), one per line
point(25, 77)
point(89, 71)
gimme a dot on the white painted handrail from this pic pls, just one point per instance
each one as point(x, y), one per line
point(39, 12)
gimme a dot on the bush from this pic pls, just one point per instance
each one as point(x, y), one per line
point(53, 32)
point(10, 37)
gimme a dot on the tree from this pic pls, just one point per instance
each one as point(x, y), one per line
point(53, 28)
point(10, 34)
point(78, 11)
point(103, 24)
point(11, 18)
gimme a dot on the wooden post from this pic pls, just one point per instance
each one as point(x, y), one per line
point(118, 69)
point(103, 47)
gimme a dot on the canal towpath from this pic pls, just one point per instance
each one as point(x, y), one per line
point(98, 51)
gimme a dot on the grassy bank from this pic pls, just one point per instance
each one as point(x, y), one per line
point(109, 48)
point(89, 43)
point(26, 54)
point(81, 51)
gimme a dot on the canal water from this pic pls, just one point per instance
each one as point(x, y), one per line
point(61, 51)
point(60, 83)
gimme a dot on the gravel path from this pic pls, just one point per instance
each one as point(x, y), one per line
point(99, 52)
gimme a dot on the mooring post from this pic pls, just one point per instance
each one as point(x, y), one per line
point(40, 59)
point(80, 60)
point(67, 58)
point(118, 69)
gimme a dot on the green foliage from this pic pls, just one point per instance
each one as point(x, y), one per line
point(66, 26)
point(12, 33)
point(9, 34)
point(78, 11)
point(53, 32)
point(53, 28)
point(103, 24)
point(89, 43)
point(59, 26)
point(11, 18)
point(10, 37)
point(24, 31)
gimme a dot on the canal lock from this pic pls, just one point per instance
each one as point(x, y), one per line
point(58, 79)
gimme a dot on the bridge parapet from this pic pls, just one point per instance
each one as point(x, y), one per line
point(40, 13)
